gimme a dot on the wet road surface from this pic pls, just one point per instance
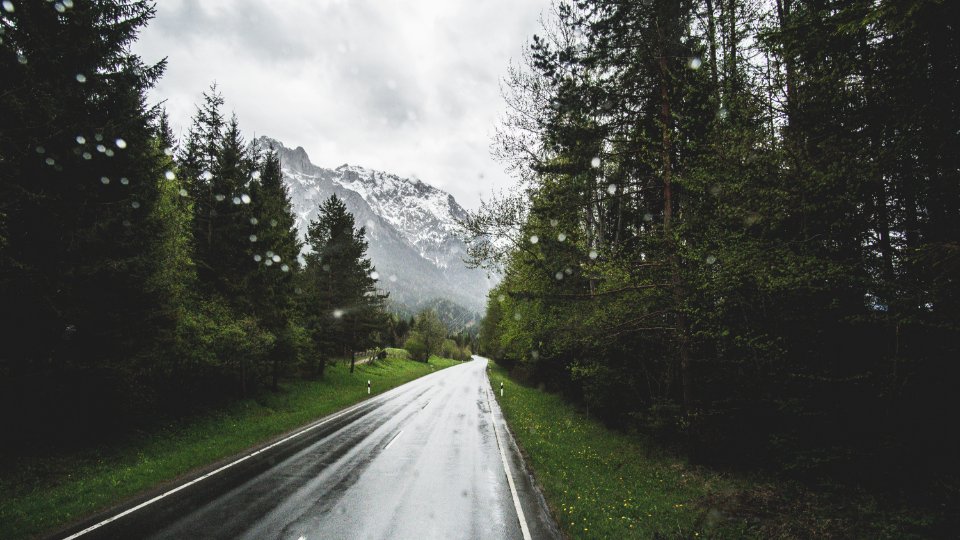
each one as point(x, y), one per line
point(428, 459)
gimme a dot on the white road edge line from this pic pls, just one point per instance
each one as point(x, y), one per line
point(506, 467)
point(211, 473)
point(394, 439)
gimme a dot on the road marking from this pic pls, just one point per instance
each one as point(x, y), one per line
point(221, 469)
point(395, 437)
point(506, 467)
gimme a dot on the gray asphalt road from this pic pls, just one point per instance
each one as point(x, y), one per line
point(421, 461)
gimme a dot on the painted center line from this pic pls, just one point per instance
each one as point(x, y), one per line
point(395, 437)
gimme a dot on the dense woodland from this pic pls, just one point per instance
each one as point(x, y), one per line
point(737, 229)
point(143, 277)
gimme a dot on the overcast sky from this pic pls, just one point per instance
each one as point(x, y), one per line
point(405, 86)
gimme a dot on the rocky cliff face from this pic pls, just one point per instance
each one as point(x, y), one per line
point(410, 226)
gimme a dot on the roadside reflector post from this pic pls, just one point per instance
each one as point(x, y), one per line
point(368, 387)
point(501, 388)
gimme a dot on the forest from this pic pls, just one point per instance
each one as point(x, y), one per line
point(142, 277)
point(736, 230)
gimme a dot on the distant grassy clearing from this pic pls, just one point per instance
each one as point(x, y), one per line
point(604, 484)
point(43, 494)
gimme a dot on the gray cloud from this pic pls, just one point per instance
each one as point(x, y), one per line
point(407, 86)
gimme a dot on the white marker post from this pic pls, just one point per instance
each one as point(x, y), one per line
point(368, 387)
point(501, 388)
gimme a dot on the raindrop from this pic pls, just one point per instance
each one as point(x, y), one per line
point(648, 217)
point(595, 162)
point(695, 63)
point(49, 161)
point(21, 58)
point(276, 258)
point(393, 278)
point(101, 148)
point(109, 152)
point(183, 192)
point(68, 3)
point(534, 239)
point(269, 254)
point(104, 180)
point(338, 313)
point(41, 150)
point(168, 152)
point(268, 262)
point(593, 254)
point(253, 238)
point(284, 267)
point(374, 275)
point(711, 259)
point(245, 198)
point(253, 221)
point(568, 271)
point(8, 6)
point(81, 78)
point(561, 237)
point(558, 275)
point(81, 139)
point(236, 200)
point(207, 175)
point(553, 222)
point(135, 204)
point(86, 155)
point(59, 7)
point(98, 137)
point(273, 223)
point(612, 189)
point(169, 175)
point(121, 144)
point(219, 197)
point(255, 175)
point(124, 180)
point(257, 258)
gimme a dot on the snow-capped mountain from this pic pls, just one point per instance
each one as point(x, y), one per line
point(410, 227)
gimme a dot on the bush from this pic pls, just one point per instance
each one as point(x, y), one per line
point(417, 347)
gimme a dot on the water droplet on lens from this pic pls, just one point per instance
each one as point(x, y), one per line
point(207, 175)
point(338, 313)
point(534, 239)
point(374, 275)
point(558, 275)
point(219, 197)
point(595, 162)
point(273, 223)
point(695, 63)
point(257, 258)
point(393, 278)
point(121, 144)
point(501, 298)
point(86, 155)
point(593, 254)
point(124, 180)
point(41, 150)
point(81, 139)
point(269, 254)
point(285, 268)
point(245, 198)
point(236, 200)
point(253, 221)
point(255, 175)
point(135, 204)
point(561, 237)
point(553, 222)
point(81, 78)
point(711, 259)
point(108, 152)
point(104, 180)
point(253, 238)
point(169, 175)
point(612, 189)
point(59, 7)
point(276, 258)
point(183, 192)
point(516, 316)
point(268, 262)
point(49, 161)
point(168, 152)
point(21, 58)
point(8, 6)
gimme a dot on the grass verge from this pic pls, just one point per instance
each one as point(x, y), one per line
point(604, 484)
point(43, 494)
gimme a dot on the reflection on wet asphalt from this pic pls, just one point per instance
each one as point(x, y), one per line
point(420, 461)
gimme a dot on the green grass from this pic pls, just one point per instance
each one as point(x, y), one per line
point(41, 495)
point(604, 484)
